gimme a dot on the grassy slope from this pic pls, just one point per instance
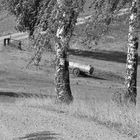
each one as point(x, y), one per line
point(16, 79)
point(50, 123)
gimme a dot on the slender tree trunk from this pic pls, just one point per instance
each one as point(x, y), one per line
point(63, 35)
point(132, 57)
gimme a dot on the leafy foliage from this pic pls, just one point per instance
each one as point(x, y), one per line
point(35, 16)
point(51, 17)
point(102, 15)
point(26, 12)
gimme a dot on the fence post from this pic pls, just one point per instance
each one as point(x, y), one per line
point(19, 45)
point(4, 42)
point(8, 41)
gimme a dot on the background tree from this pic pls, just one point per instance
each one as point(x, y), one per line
point(101, 14)
point(105, 11)
point(129, 95)
point(26, 13)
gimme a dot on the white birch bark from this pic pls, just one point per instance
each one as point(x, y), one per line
point(63, 35)
point(132, 56)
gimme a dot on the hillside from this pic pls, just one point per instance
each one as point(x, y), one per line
point(28, 110)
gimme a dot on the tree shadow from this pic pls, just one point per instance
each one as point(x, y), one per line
point(114, 56)
point(23, 94)
point(44, 135)
point(103, 75)
point(83, 75)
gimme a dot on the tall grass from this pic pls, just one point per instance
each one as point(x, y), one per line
point(123, 119)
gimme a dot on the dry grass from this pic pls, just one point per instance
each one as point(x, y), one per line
point(123, 119)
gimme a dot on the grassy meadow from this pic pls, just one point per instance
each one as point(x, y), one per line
point(34, 88)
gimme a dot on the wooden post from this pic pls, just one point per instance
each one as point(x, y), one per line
point(8, 41)
point(19, 45)
point(4, 42)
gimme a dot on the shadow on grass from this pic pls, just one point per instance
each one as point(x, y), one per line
point(104, 75)
point(114, 56)
point(45, 135)
point(23, 94)
point(83, 75)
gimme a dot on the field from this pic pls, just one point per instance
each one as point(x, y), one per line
point(7, 23)
point(27, 96)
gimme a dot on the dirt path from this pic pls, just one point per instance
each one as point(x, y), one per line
point(30, 123)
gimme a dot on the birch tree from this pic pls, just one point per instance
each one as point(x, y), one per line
point(68, 13)
point(132, 56)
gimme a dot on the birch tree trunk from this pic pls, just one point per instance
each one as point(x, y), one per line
point(63, 35)
point(132, 57)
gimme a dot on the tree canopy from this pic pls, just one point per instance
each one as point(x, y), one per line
point(37, 13)
point(26, 13)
